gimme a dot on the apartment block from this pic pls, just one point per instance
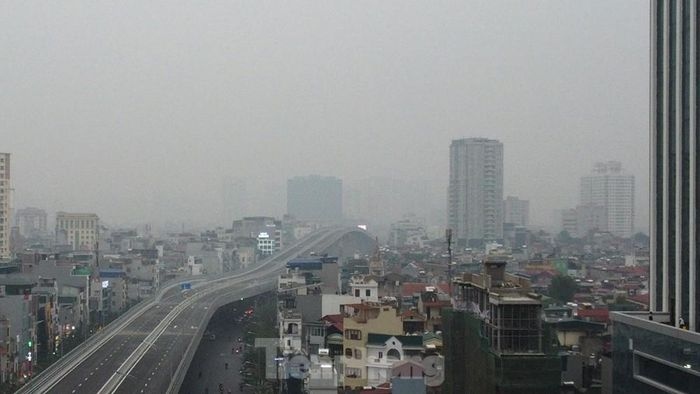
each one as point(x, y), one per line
point(79, 230)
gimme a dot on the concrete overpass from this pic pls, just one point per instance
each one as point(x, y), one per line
point(149, 349)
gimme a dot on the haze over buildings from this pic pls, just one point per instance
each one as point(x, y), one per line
point(31, 221)
point(315, 198)
point(516, 211)
point(171, 99)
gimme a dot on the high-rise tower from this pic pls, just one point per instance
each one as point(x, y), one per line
point(475, 193)
point(657, 351)
point(5, 189)
point(674, 145)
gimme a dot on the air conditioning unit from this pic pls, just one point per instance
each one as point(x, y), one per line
point(323, 352)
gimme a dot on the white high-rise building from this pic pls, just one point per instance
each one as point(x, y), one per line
point(5, 189)
point(475, 193)
point(516, 211)
point(609, 187)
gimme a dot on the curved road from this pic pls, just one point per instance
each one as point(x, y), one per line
point(148, 349)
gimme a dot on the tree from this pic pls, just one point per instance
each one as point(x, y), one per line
point(562, 288)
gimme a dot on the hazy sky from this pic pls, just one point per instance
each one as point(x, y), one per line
point(139, 109)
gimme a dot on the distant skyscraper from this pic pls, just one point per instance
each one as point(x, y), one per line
point(516, 211)
point(658, 351)
point(80, 230)
point(315, 198)
point(475, 192)
point(609, 187)
point(31, 222)
point(235, 199)
point(5, 189)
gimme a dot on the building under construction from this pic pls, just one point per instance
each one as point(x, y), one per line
point(494, 339)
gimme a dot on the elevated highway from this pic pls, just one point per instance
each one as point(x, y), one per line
point(149, 349)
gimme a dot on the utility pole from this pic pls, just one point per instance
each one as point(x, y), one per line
point(448, 237)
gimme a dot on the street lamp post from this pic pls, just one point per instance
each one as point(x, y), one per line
point(277, 365)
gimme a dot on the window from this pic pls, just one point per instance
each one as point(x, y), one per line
point(394, 354)
point(368, 292)
point(357, 292)
point(317, 331)
point(353, 334)
point(358, 354)
point(381, 355)
point(353, 372)
point(348, 352)
point(662, 374)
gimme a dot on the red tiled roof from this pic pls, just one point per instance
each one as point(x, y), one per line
point(597, 315)
point(334, 321)
point(412, 315)
point(333, 318)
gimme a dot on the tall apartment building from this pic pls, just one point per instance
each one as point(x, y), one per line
point(475, 192)
point(659, 350)
point(516, 211)
point(5, 189)
point(609, 187)
point(315, 198)
point(80, 230)
point(31, 221)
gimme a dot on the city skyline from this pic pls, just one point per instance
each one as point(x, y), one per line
point(370, 99)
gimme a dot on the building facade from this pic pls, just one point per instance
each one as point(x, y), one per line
point(609, 187)
point(359, 320)
point(475, 192)
point(516, 211)
point(659, 351)
point(315, 198)
point(80, 230)
point(5, 189)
